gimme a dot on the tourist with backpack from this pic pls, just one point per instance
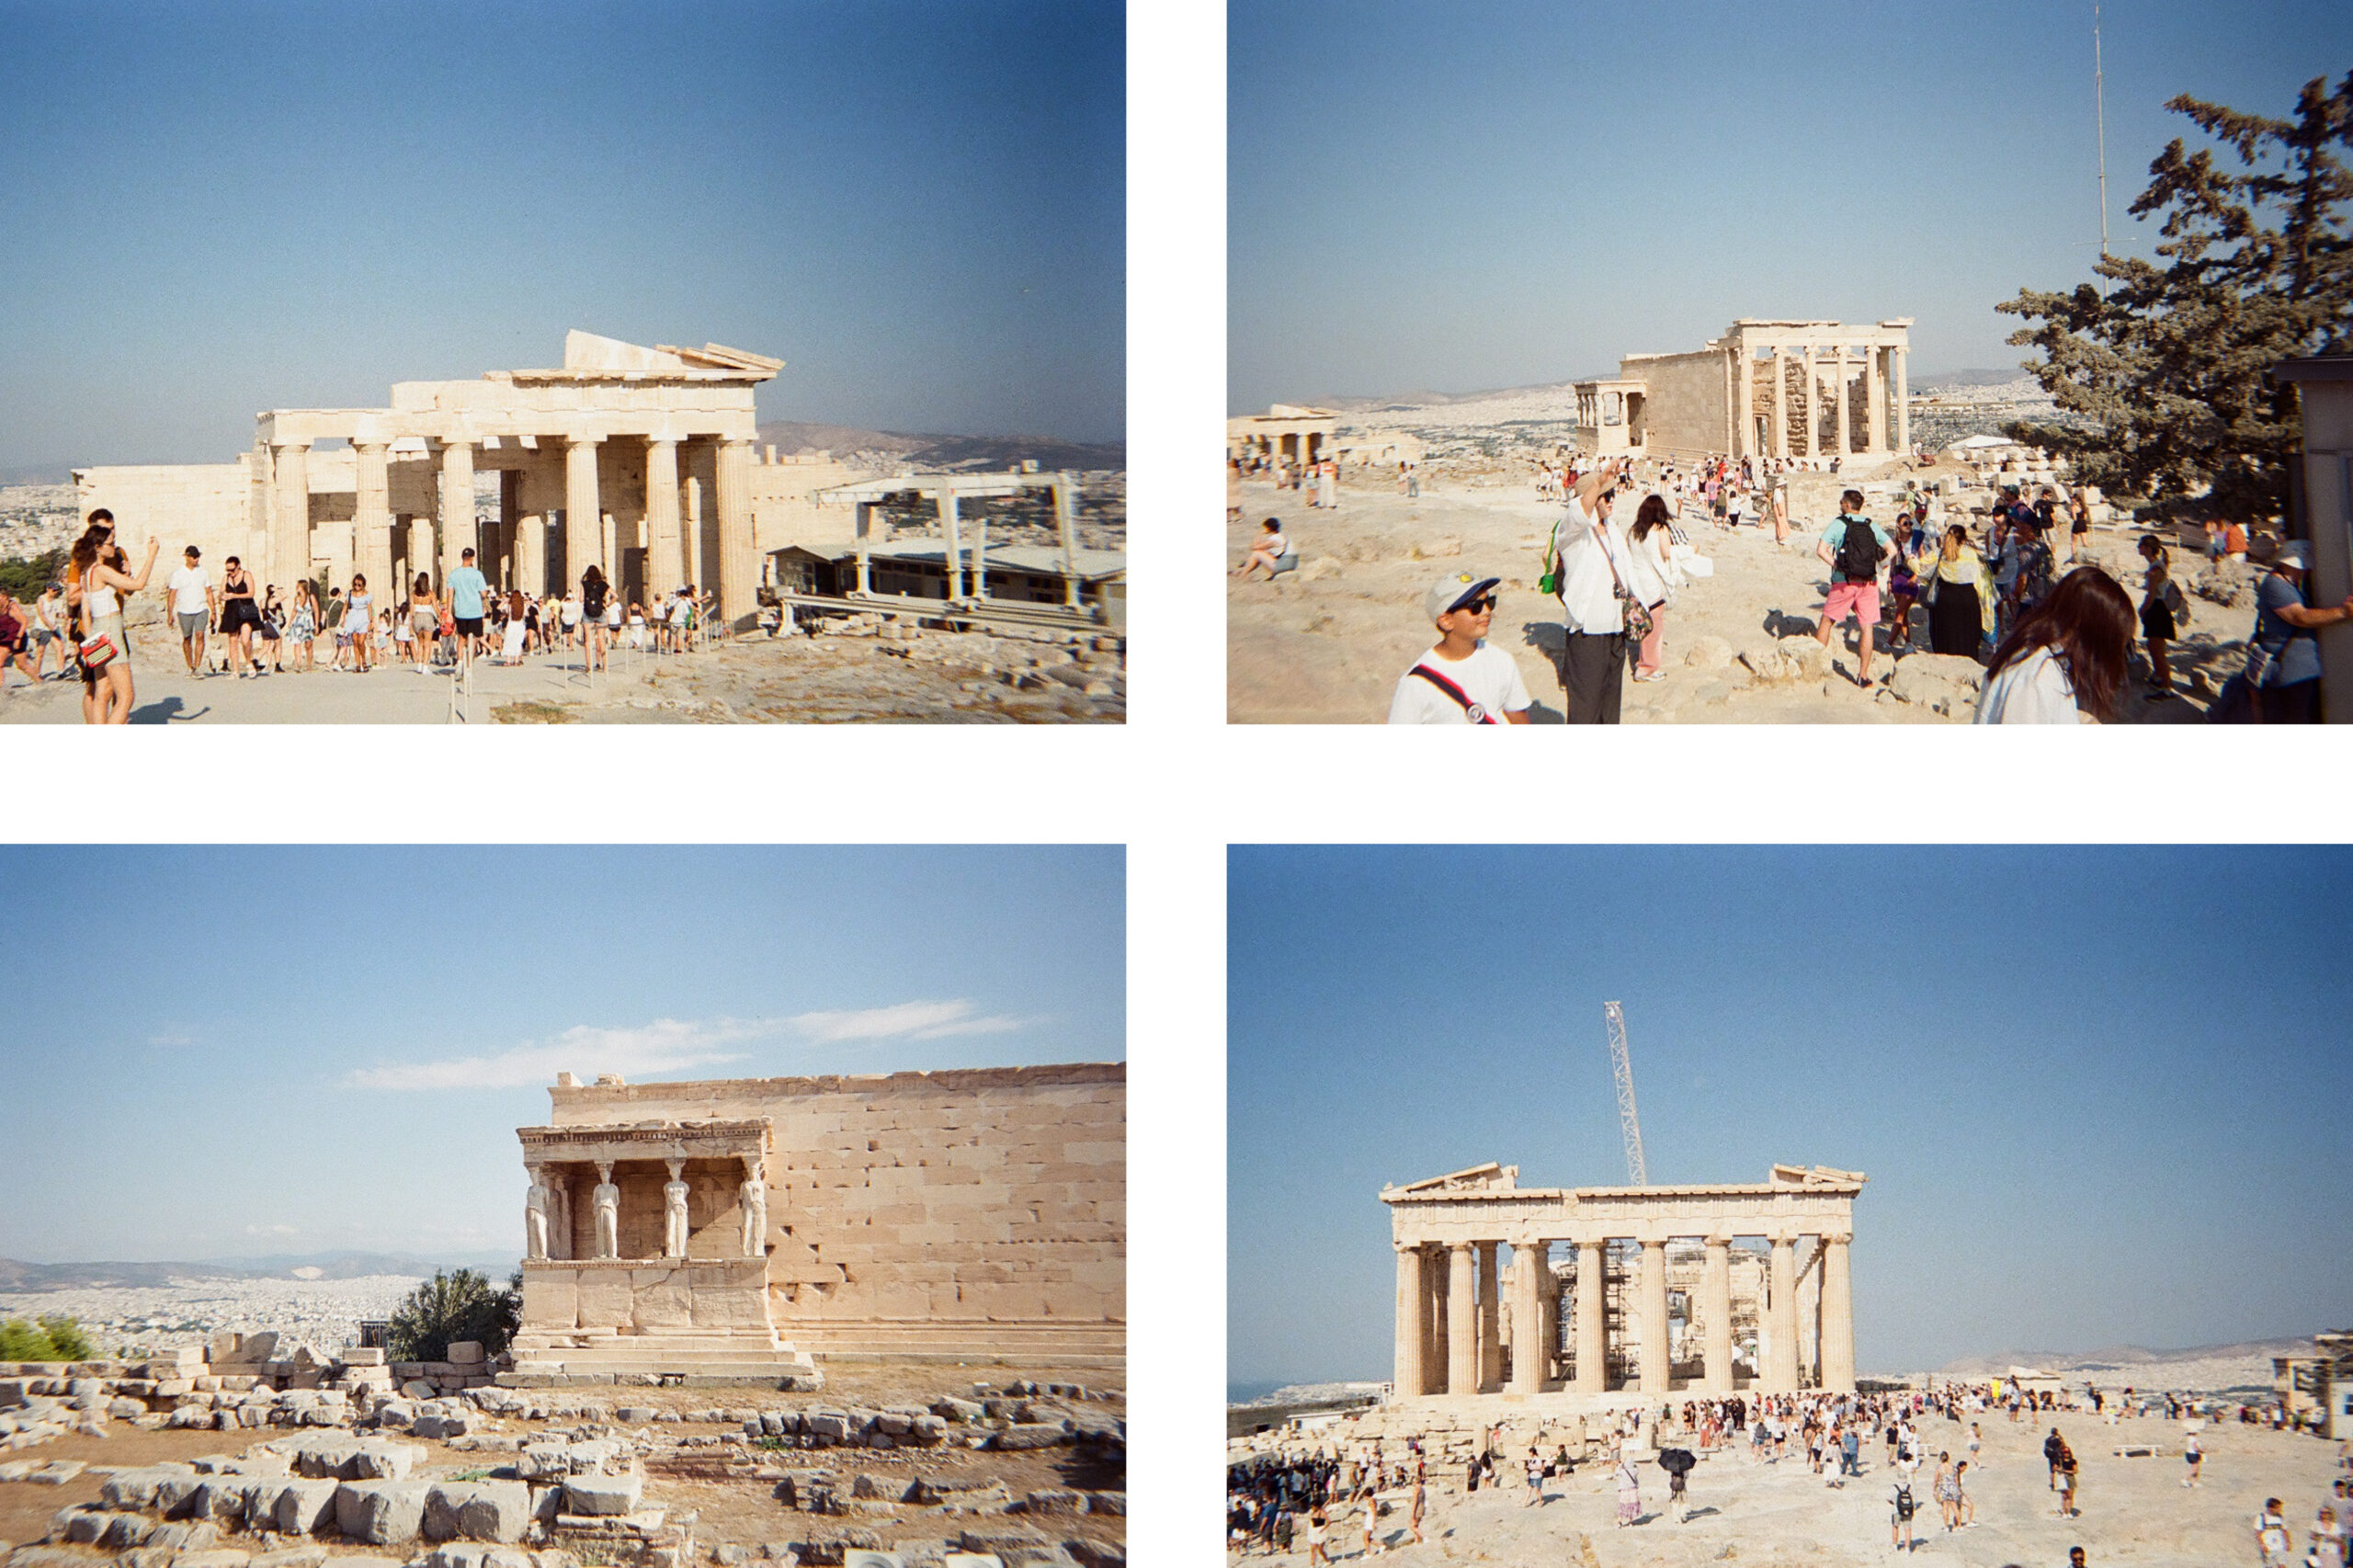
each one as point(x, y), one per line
point(1899, 1522)
point(1852, 547)
point(1462, 680)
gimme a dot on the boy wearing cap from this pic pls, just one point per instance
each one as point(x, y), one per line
point(1462, 680)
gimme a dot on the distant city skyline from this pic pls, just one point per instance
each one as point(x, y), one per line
point(1504, 193)
point(2089, 1086)
point(237, 205)
point(293, 1050)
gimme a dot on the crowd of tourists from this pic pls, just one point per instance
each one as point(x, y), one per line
point(1926, 1444)
point(235, 627)
point(2054, 634)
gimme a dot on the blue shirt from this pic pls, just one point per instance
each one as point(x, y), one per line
point(466, 588)
point(2295, 655)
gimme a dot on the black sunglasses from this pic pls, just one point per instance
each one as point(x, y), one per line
point(1475, 605)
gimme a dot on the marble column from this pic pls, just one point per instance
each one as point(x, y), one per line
point(584, 522)
point(1412, 1300)
point(1781, 1321)
point(1903, 401)
point(457, 506)
point(1875, 402)
point(1837, 1315)
point(1810, 1323)
point(949, 531)
point(666, 560)
point(1067, 525)
point(692, 534)
point(1657, 1364)
point(1527, 1338)
point(372, 514)
point(1781, 402)
point(981, 562)
point(1743, 397)
point(1838, 386)
point(739, 556)
point(1592, 1373)
point(1491, 1350)
point(865, 545)
point(290, 534)
point(1434, 1348)
point(1715, 1307)
point(1461, 1321)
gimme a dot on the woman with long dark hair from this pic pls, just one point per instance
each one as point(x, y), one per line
point(1959, 594)
point(2065, 657)
point(1654, 579)
point(102, 569)
point(593, 593)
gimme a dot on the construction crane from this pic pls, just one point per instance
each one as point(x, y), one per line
point(1622, 1070)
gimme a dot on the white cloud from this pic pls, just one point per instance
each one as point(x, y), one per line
point(670, 1045)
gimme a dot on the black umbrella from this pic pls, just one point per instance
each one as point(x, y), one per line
point(1675, 1461)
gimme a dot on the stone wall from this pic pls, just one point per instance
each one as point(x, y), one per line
point(989, 1204)
point(1684, 411)
point(785, 509)
point(206, 505)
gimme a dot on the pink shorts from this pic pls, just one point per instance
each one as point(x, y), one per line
point(1860, 599)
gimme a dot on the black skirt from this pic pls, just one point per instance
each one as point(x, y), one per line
point(2156, 619)
point(1955, 621)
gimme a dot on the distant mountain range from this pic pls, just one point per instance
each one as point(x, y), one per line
point(947, 451)
point(27, 1277)
point(2124, 1355)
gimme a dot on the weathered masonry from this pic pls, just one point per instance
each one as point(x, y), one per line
point(1652, 1297)
point(1777, 389)
point(1285, 433)
point(637, 460)
point(731, 1228)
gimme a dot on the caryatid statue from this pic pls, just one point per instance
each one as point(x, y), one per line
point(535, 1216)
point(674, 1211)
point(608, 1201)
point(754, 1194)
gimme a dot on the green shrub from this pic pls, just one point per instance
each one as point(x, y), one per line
point(456, 1306)
point(55, 1337)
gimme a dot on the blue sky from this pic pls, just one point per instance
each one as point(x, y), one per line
point(1495, 193)
point(252, 1051)
point(2095, 1090)
point(221, 206)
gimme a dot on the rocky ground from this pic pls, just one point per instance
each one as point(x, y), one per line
point(860, 669)
point(1326, 645)
point(2134, 1510)
point(444, 1472)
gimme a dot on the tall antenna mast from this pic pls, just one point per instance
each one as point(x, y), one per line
point(2100, 107)
point(1623, 1071)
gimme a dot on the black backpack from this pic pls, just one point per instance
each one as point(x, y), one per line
point(1904, 1507)
point(1860, 552)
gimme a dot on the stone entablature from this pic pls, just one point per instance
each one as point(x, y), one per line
point(1454, 1329)
point(1802, 389)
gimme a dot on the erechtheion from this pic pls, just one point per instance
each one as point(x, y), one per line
point(1777, 389)
point(1285, 433)
point(638, 461)
point(730, 1228)
point(1659, 1291)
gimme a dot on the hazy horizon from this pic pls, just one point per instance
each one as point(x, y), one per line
point(251, 204)
point(2087, 1085)
point(1504, 193)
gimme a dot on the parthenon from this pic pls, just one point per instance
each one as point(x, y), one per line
point(1646, 1303)
point(1778, 389)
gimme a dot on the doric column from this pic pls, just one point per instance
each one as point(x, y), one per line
point(1838, 1315)
point(666, 560)
point(1781, 402)
point(1903, 400)
point(457, 505)
point(1839, 385)
point(739, 556)
point(1657, 1358)
point(289, 536)
point(1810, 1323)
point(584, 519)
point(1781, 1321)
point(1434, 1266)
point(949, 531)
point(1528, 1316)
point(372, 514)
point(1875, 401)
point(1715, 1305)
point(1491, 1348)
point(1412, 1300)
point(1744, 393)
point(865, 543)
point(697, 570)
point(1066, 523)
point(1461, 1321)
point(1592, 1374)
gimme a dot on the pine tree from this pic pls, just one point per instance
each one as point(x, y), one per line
point(2165, 371)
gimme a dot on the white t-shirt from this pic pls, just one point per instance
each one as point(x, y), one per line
point(2033, 691)
point(1488, 677)
point(188, 584)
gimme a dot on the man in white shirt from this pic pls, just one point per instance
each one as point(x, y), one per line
point(192, 602)
point(1462, 680)
point(1596, 562)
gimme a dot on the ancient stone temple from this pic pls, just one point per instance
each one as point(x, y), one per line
point(1778, 389)
point(637, 460)
point(729, 1229)
point(1697, 1290)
